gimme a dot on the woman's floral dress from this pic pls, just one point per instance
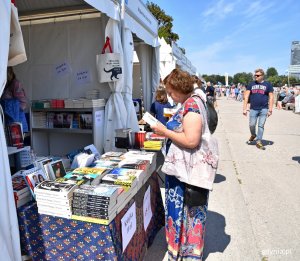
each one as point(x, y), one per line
point(185, 226)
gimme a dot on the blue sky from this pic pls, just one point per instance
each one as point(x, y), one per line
point(235, 35)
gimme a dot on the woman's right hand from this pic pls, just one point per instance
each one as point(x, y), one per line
point(159, 129)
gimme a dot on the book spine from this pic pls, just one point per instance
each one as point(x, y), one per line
point(90, 205)
point(88, 196)
point(90, 214)
point(54, 208)
point(85, 212)
point(54, 201)
point(55, 214)
point(54, 194)
point(91, 219)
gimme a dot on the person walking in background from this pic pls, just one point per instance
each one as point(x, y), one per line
point(260, 96)
point(161, 102)
point(188, 134)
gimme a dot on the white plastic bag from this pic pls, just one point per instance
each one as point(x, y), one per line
point(17, 52)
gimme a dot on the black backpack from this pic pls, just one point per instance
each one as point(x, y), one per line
point(212, 115)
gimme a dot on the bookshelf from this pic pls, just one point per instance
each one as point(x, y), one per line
point(58, 131)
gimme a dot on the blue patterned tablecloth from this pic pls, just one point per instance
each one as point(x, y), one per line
point(46, 237)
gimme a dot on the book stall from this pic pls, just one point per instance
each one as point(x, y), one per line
point(109, 209)
point(56, 196)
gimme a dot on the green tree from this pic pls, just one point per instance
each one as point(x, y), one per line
point(275, 80)
point(271, 72)
point(165, 23)
point(243, 78)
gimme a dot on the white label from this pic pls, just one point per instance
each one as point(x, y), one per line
point(147, 208)
point(128, 223)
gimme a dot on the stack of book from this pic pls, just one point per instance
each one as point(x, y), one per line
point(94, 103)
point(92, 94)
point(153, 145)
point(96, 204)
point(39, 119)
point(21, 191)
point(55, 198)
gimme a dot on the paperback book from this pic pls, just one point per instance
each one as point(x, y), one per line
point(56, 169)
point(121, 176)
point(55, 189)
point(33, 178)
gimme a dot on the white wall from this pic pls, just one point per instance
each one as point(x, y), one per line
point(48, 45)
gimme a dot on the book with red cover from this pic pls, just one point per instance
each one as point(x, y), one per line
point(15, 133)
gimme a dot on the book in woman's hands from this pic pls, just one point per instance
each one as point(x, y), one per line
point(151, 120)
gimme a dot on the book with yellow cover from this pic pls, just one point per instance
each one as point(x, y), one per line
point(94, 220)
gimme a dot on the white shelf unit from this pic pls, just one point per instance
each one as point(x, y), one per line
point(60, 141)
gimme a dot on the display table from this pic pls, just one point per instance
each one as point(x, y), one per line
point(46, 237)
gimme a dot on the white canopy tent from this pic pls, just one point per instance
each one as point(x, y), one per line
point(139, 20)
point(9, 229)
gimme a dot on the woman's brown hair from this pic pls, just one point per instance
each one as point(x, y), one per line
point(180, 81)
point(161, 95)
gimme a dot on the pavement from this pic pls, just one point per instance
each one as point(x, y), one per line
point(254, 208)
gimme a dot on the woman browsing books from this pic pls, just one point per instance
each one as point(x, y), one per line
point(186, 130)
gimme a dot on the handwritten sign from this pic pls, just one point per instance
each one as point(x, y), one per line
point(147, 208)
point(99, 118)
point(83, 77)
point(128, 223)
point(62, 69)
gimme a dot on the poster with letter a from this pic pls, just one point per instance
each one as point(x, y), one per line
point(128, 223)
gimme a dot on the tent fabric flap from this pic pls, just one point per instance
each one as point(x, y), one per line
point(106, 6)
point(132, 121)
point(9, 229)
point(115, 110)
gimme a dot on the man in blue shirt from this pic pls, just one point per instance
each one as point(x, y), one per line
point(259, 94)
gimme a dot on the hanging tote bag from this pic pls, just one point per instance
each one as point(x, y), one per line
point(17, 52)
point(198, 166)
point(108, 64)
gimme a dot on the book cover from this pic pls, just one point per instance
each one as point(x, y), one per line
point(55, 189)
point(42, 164)
point(91, 170)
point(91, 149)
point(134, 164)
point(120, 176)
point(106, 164)
point(58, 120)
point(56, 169)
point(78, 178)
point(67, 120)
point(102, 191)
point(33, 177)
point(15, 134)
point(19, 184)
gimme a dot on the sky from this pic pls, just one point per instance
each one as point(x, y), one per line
point(232, 36)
